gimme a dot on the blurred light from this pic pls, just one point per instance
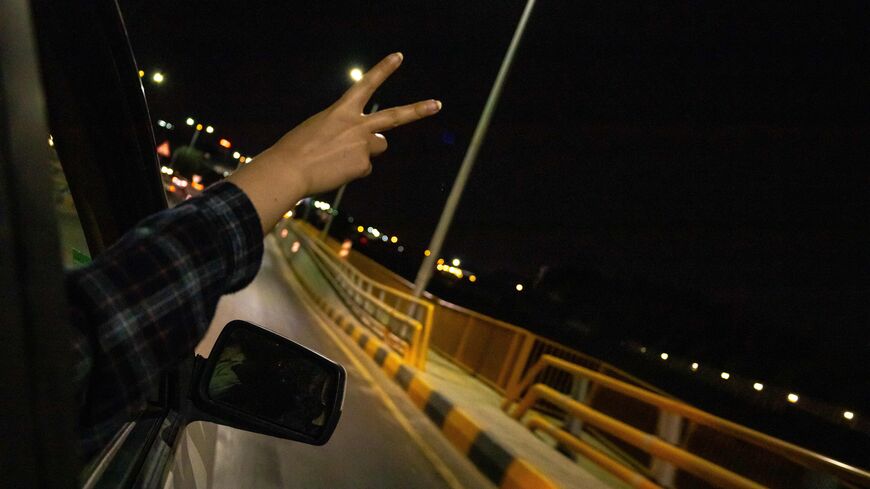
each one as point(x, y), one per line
point(425, 253)
point(196, 178)
point(225, 143)
point(288, 214)
point(284, 233)
point(695, 366)
point(226, 173)
point(197, 186)
point(179, 181)
point(50, 140)
point(172, 188)
point(519, 287)
point(199, 127)
point(725, 375)
point(456, 262)
point(166, 170)
point(758, 386)
point(295, 246)
point(360, 229)
point(356, 74)
point(169, 126)
point(384, 238)
point(793, 398)
point(441, 261)
point(394, 240)
point(350, 219)
point(161, 123)
point(157, 77)
point(401, 248)
point(141, 73)
point(189, 121)
point(643, 349)
point(848, 415)
point(248, 159)
point(664, 356)
point(472, 278)
point(209, 129)
point(236, 155)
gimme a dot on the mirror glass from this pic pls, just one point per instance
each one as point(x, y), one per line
point(263, 375)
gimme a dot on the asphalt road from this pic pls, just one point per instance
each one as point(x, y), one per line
point(382, 440)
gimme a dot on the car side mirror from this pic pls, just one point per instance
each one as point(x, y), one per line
point(259, 381)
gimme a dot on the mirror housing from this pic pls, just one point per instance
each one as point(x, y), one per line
point(259, 381)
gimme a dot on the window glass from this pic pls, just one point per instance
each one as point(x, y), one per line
point(73, 246)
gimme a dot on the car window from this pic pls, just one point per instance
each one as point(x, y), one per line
point(73, 246)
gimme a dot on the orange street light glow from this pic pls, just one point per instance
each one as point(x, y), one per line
point(225, 143)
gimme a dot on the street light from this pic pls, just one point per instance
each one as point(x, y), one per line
point(190, 121)
point(209, 129)
point(356, 75)
point(157, 77)
point(237, 155)
point(425, 272)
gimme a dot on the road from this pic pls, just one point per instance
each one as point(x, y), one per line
point(382, 440)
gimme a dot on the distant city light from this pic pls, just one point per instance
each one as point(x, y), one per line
point(664, 356)
point(356, 74)
point(401, 248)
point(441, 261)
point(209, 129)
point(456, 262)
point(695, 366)
point(643, 349)
point(157, 77)
point(725, 375)
point(284, 233)
point(758, 386)
point(295, 246)
point(248, 159)
point(225, 143)
point(141, 73)
point(427, 253)
point(51, 143)
point(161, 123)
point(394, 240)
point(385, 238)
point(190, 121)
point(199, 127)
point(848, 415)
point(166, 170)
point(169, 126)
point(236, 155)
point(288, 214)
point(360, 229)
point(519, 287)
point(472, 278)
point(793, 398)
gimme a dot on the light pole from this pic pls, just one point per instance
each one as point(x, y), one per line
point(356, 75)
point(425, 272)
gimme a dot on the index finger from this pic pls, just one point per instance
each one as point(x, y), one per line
point(362, 91)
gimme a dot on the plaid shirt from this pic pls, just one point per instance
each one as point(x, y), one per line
point(142, 306)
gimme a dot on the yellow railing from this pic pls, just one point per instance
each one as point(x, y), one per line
point(652, 445)
point(403, 321)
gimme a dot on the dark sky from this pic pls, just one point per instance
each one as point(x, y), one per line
point(720, 147)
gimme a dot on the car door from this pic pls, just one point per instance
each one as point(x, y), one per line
point(79, 168)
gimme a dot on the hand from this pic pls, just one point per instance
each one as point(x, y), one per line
point(328, 150)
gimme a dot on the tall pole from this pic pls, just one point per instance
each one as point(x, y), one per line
point(339, 195)
point(425, 272)
point(333, 211)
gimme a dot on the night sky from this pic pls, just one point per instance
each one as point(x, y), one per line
point(715, 147)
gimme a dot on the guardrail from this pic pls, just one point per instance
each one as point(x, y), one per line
point(788, 452)
point(401, 320)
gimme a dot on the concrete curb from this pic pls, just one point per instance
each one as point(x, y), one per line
point(493, 460)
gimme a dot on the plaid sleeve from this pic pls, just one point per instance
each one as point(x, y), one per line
point(142, 306)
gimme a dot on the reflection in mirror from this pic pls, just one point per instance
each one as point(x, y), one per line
point(278, 382)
